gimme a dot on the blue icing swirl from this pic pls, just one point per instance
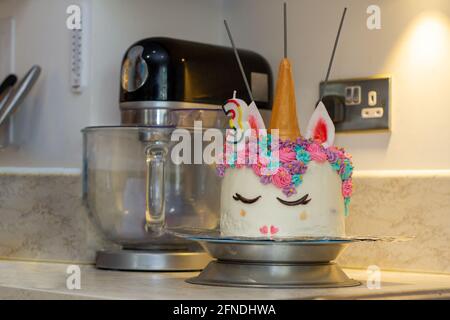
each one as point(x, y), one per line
point(297, 179)
point(303, 155)
point(347, 171)
point(347, 205)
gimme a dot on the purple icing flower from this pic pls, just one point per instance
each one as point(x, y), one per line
point(289, 190)
point(295, 167)
point(220, 169)
point(332, 156)
point(302, 142)
point(266, 179)
point(287, 144)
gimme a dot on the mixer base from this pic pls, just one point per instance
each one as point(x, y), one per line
point(151, 260)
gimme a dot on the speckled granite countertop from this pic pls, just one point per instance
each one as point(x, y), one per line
point(31, 280)
point(43, 219)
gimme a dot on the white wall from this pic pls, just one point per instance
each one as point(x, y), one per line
point(49, 122)
point(118, 24)
point(413, 46)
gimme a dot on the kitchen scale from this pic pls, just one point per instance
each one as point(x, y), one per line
point(301, 262)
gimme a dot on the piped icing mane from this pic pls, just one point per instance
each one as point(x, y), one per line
point(294, 158)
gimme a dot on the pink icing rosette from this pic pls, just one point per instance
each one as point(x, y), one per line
point(287, 155)
point(337, 151)
point(316, 152)
point(347, 188)
point(264, 161)
point(282, 178)
point(257, 169)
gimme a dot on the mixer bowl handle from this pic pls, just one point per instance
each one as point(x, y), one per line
point(154, 195)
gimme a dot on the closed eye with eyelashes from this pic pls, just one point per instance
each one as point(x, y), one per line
point(302, 201)
point(243, 199)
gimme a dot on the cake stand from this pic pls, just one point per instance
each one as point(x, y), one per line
point(294, 262)
point(273, 264)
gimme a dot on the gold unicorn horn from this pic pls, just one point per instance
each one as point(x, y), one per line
point(284, 111)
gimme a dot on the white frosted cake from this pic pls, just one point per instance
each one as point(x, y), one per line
point(321, 212)
point(306, 197)
point(305, 191)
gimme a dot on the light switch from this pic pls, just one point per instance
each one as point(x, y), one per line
point(372, 98)
point(349, 95)
point(353, 95)
point(356, 95)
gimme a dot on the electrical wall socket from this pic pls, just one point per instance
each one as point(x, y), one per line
point(366, 103)
point(372, 113)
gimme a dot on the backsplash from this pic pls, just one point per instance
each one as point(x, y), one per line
point(415, 203)
point(42, 218)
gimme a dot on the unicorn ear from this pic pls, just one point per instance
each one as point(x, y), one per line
point(254, 118)
point(321, 127)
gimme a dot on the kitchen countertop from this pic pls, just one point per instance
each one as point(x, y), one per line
point(37, 280)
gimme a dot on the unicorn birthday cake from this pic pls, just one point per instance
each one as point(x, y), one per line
point(278, 182)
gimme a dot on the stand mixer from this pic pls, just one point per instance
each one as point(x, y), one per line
point(132, 189)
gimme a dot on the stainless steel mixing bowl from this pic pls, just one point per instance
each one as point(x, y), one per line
point(135, 192)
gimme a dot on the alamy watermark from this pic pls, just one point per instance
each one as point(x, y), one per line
point(73, 280)
point(231, 146)
point(373, 277)
point(73, 21)
point(374, 20)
